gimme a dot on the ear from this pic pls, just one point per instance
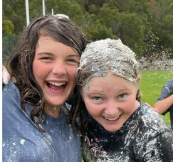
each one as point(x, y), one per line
point(138, 79)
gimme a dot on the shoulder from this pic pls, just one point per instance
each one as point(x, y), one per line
point(169, 85)
point(152, 130)
point(170, 82)
point(11, 100)
point(10, 90)
point(167, 90)
point(151, 120)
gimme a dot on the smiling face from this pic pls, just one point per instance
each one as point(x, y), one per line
point(54, 68)
point(110, 100)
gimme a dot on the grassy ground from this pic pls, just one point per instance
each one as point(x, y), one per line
point(151, 85)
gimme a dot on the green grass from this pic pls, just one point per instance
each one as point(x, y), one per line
point(151, 85)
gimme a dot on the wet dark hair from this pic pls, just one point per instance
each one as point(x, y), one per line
point(20, 63)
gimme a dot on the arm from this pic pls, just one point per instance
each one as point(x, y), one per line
point(165, 100)
point(164, 104)
point(5, 75)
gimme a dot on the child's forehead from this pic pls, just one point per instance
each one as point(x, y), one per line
point(110, 81)
point(107, 77)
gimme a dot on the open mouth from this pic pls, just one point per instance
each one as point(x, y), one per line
point(112, 118)
point(56, 85)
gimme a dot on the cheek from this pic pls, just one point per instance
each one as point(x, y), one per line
point(35, 68)
point(72, 74)
point(38, 70)
point(130, 106)
point(93, 109)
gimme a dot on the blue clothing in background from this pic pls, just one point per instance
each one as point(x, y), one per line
point(23, 142)
point(167, 91)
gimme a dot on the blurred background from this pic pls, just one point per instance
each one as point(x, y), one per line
point(146, 26)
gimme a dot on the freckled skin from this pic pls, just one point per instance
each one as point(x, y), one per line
point(110, 104)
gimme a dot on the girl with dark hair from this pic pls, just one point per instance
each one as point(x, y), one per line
point(36, 117)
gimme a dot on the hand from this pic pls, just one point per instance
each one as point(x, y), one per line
point(155, 109)
point(5, 75)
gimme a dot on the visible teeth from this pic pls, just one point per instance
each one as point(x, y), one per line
point(57, 84)
point(112, 118)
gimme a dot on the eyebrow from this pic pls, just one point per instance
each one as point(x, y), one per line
point(49, 53)
point(73, 55)
point(96, 91)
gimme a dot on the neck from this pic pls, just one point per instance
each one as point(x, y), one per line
point(52, 110)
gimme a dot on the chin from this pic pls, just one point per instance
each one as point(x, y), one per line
point(55, 103)
point(112, 129)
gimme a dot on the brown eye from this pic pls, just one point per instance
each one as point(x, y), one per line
point(73, 61)
point(45, 58)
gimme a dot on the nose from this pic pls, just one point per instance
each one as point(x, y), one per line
point(59, 69)
point(111, 108)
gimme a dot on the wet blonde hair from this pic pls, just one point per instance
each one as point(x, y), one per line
point(105, 56)
point(99, 58)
